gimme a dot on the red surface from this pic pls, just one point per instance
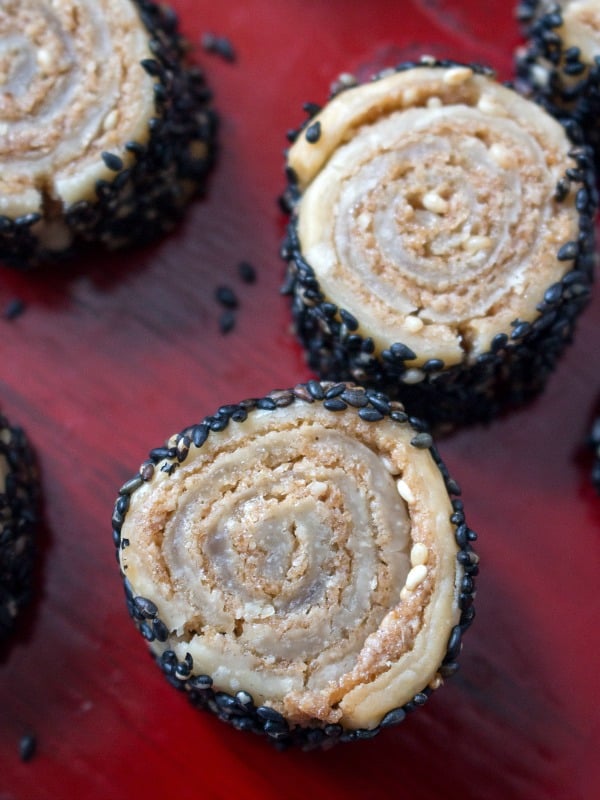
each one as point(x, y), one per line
point(113, 355)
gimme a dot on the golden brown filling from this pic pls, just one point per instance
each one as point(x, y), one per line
point(71, 87)
point(427, 208)
point(303, 556)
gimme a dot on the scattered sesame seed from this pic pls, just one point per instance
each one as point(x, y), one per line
point(226, 297)
point(227, 321)
point(247, 272)
point(220, 46)
point(14, 308)
point(27, 747)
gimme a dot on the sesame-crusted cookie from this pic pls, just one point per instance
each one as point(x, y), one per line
point(300, 564)
point(440, 245)
point(106, 127)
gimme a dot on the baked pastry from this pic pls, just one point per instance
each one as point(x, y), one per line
point(106, 128)
point(558, 65)
point(300, 564)
point(440, 245)
point(19, 519)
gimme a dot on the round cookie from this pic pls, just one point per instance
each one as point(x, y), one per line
point(300, 564)
point(440, 246)
point(106, 127)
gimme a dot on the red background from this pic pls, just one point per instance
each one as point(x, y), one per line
point(114, 354)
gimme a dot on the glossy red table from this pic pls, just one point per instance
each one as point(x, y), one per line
point(114, 354)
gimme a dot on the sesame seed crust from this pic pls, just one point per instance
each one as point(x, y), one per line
point(260, 658)
point(19, 519)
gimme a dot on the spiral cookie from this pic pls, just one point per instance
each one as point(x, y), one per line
point(558, 64)
point(105, 129)
point(434, 248)
point(297, 563)
point(19, 499)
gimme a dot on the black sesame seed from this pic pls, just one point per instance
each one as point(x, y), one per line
point(348, 319)
point(151, 66)
point(201, 682)
point(27, 220)
point(266, 404)
point(582, 200)
point(335, 404)
point(146, 607)
point(200, 434)
point(226, 297)
point(553, 293)
point(146, 631)
point(268, 713)
point(499, 341)
point(370, 414)
point(160, 630)
point(227, 321)
point(433, 365)
point(112, 161)
point(366, 733)
point(422, 441)
point(355, 398)
point(219, 45)
point(461, 535)
point(247, 272)
point(313, 132)
point(27, 747)
point(452, 486)
point(520, 330)
point(568, 251)
point(315, 389)
point(131, 485)
point(335, 391)
point(393, 717)
point(311, 108)
point(182, 671)
point(402, 352)
point(379, 401)
point(217, 423)
point(454, 642)
point(275, 729)
point(14, 308)
point(449, 669)
point(158, 453)
point(225, 701)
